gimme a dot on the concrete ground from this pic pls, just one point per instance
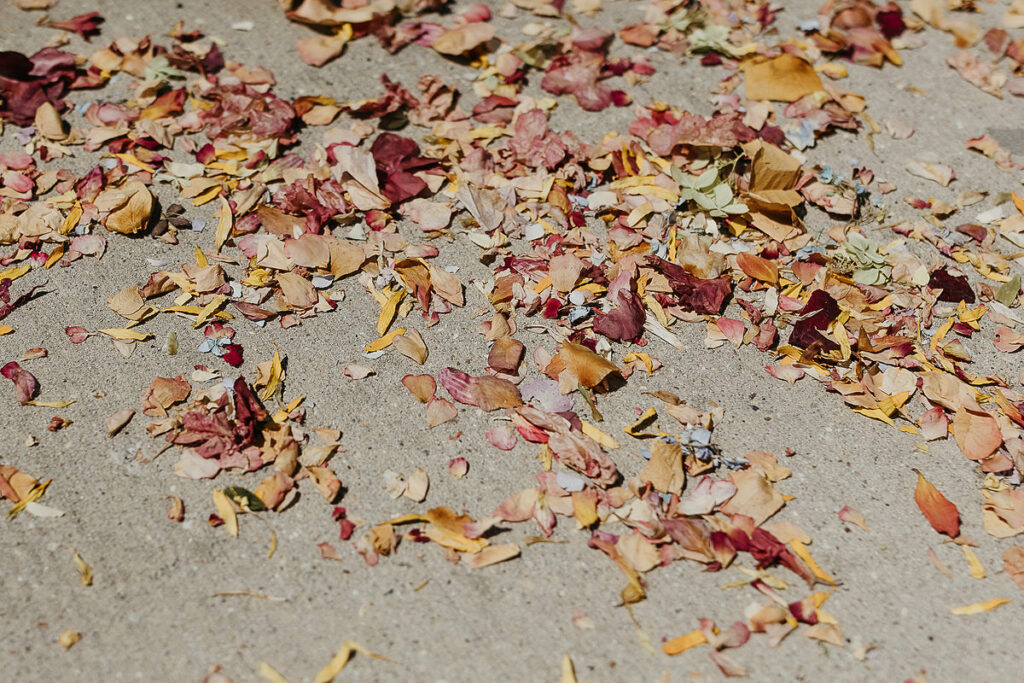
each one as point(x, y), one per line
point(152, 612)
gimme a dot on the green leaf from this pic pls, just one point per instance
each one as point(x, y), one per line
point(1007, 292)
point(722, 195)
point(706, 179)
point(705, 202)
point(245, 499)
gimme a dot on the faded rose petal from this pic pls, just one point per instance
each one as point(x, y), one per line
point(463, 39)
point(118, 420)
point(505, 355)
point(815, 317)
point(732, 330)
point(318, 50)
point(789, 373)
point(626, 322)
point(356, 371)
point(727, 665)
point(430, 216)
point(89, 245)
point(439, 411)
point(163, 393)
point(502, 438)
point(460, 385)
point(25, 384)
point(851, 516)
point(1013, 563)
point(1004, 513)
point(77, 335)
point(1007, 340)
point(545, 392)
point(518, 507)
point(585, 366)
point(755, 496)
point(493, 393)
point(736, 635)
point(458, 467)
point(298, 292)
point(934, 424)
point(191, 465)
point(422, 387)
point(977, 433)
point(488, 393)
point(577, 74)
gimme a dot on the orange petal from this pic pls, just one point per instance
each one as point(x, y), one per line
point(941, 514)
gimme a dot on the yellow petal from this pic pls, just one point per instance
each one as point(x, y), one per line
point(270, 674)
point(643, 358)
point(275, 376)
point(224, 224)
point(344, 654)
point(14, 273)
point(597, 435)
point(54, 256)
point(125, 335)
point(977, 568)
point(282, 415)
point(49, 404)
point(84, 570)
point(209, 309)
point(384, 341)
point(634, 429)
point(684, 642)
point(389, 311)
point(226, 511)
point(801, 550)
point(979, 607)
point(568, 670)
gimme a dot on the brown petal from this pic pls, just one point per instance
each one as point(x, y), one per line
point(505, 355)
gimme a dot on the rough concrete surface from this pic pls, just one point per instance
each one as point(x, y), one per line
point(151, 613)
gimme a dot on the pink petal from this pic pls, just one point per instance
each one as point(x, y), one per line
point(502, 438)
